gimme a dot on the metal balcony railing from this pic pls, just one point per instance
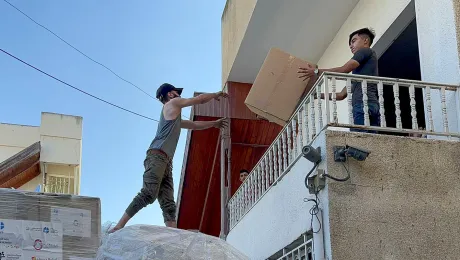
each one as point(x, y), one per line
point(302, 252)
point(310, 118)
point(58, 184)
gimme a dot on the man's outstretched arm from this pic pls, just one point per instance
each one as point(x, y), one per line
point(348, 67)
point(201, 125)
point(200, 99)
point(360, 57)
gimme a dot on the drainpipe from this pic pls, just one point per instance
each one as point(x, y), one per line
point(229, 176)
point(229, 163)
point(222, 186)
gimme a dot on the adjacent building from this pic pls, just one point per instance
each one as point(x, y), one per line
point(44, 158)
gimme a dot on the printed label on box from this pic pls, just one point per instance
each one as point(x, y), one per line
point(10, 254)
point(75, 222)
point(21, 239)
point(42, 256)
point(11, 234)
point(42, 236)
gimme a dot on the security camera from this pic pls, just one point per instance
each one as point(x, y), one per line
point(342, 152)
point(312, 154)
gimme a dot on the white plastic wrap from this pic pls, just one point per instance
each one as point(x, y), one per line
point(154, 242)
point(35, 225)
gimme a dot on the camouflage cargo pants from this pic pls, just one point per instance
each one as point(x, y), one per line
point(158, 183)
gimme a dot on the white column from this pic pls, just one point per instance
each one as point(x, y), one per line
point(439, 57)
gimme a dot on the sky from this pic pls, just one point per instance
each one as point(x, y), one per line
point(147, 43)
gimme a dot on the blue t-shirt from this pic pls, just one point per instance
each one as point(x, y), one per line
point(368, 65)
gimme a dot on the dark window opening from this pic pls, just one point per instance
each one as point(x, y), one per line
point(401, 60)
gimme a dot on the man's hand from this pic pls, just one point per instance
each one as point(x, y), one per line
point(221, 123)
point(221, 94)
point(307, 72)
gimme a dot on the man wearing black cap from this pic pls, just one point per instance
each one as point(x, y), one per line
point(158, 180)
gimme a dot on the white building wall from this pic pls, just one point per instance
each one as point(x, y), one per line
point(439, 59)
point(280, 217)
point(376, 14)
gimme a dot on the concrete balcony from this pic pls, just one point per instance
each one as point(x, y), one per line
point(407, 178)
point(250, 28)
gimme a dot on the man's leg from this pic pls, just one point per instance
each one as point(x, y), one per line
point(358, 117)
point(166, 198)
point(374, 114)
point(374, 117)
point(155, 166)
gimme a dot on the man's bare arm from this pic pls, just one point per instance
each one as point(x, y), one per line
point(200, 99)
point(202, 125)
point(346, 68)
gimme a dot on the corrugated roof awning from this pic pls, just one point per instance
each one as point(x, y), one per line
point(21, 167)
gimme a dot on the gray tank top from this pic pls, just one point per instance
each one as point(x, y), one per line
point(167, 136)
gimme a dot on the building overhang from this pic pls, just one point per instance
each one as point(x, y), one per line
point(303, 28)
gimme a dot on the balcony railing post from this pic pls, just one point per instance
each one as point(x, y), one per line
point(350, 101)
point(313, 119)
point(294, 137)
point(334, 101)
point(259, 183)
point(289, 143)
point(299, 119)
point(383, 122)
point(285, 156)
point(262, 169)
point(272, 164)
point(429, 109)
point(279, 147)
point(253, 188)
point(397, 106)
point(365, 103)
point(267, 172)
point(326, 100)
point(305, 120)
point(413, 107)
point(320, 110)
point(445, 121)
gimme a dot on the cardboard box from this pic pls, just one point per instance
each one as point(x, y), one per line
point(49, 226)
point(277, 90)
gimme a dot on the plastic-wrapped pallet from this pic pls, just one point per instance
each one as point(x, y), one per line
point(153, 242)
point(47, 226)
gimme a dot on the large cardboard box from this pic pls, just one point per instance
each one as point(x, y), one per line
point(48, 226)
point(277, 90)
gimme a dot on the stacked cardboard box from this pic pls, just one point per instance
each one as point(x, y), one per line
point(48, 226)
point(277, 90)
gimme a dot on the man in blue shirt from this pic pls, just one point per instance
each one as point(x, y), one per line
point(363, 62)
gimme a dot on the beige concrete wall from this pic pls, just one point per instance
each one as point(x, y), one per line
point(14, 138)
point(32, 185)
point(235, 20)
point(377, 14)
point(401, 203)
point(60, 137)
